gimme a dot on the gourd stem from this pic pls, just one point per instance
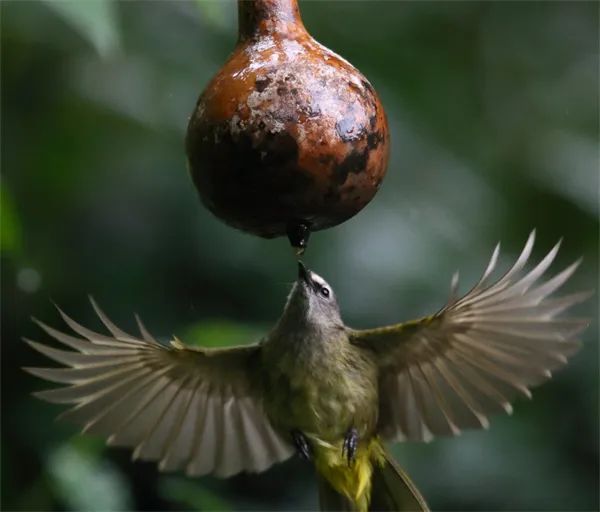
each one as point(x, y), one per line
point(263, 17)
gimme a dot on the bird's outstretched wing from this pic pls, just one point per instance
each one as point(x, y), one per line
point(449, 371)
point(189, 408)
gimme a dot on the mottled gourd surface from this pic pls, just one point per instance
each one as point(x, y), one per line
point(287, 131)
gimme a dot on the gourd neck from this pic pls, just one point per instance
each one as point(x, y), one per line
point(258, 18)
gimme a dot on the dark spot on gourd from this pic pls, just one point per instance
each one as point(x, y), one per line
point(367, 86)
point(332, 195)
point(354, 87)
point(325, 159)
point(262, 83)
point(354, 163)
point(374, 139)
point(313, 111)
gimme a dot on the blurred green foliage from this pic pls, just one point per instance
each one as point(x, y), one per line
point(10, 229)
point(84, 480)
point(493, 108)
point(95, 20)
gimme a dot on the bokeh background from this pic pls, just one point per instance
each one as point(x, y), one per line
point(493, 108)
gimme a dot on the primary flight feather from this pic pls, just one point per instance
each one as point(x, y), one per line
point(316, 386)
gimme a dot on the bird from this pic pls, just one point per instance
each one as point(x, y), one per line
point(316, 387)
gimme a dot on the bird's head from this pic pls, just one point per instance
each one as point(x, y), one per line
point(312, 302)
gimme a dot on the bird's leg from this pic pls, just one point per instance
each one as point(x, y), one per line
point(302, 445)
point(350, 445)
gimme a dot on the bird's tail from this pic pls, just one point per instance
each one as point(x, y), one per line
point(391, 490)
point(330, 500)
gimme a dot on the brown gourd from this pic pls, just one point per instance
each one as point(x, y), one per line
point(288, 137)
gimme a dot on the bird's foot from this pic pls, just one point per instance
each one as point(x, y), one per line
point(302, 445)
point(350, 445)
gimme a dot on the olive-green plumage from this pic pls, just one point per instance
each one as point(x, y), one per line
point(316, 382)
point(317, 386)
point(324, 383)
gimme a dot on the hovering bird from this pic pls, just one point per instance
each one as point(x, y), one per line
point(315, 386)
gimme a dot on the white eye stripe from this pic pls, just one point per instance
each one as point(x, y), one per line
point(320, 286)
point(319, 280)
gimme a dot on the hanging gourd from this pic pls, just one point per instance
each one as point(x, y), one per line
point(288, 137)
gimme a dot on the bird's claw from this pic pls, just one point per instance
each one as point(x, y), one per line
point(302, 445)
point(350, 445)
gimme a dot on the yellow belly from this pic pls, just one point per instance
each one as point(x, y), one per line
point(351, 480)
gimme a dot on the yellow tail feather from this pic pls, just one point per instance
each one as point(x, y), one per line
point(351, 480)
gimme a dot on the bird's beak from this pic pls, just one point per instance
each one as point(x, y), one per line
point(303, 273)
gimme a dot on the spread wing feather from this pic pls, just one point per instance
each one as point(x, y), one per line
point(450, 371)
point(188, 408)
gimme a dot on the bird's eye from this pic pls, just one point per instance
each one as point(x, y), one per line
point(324, 291)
